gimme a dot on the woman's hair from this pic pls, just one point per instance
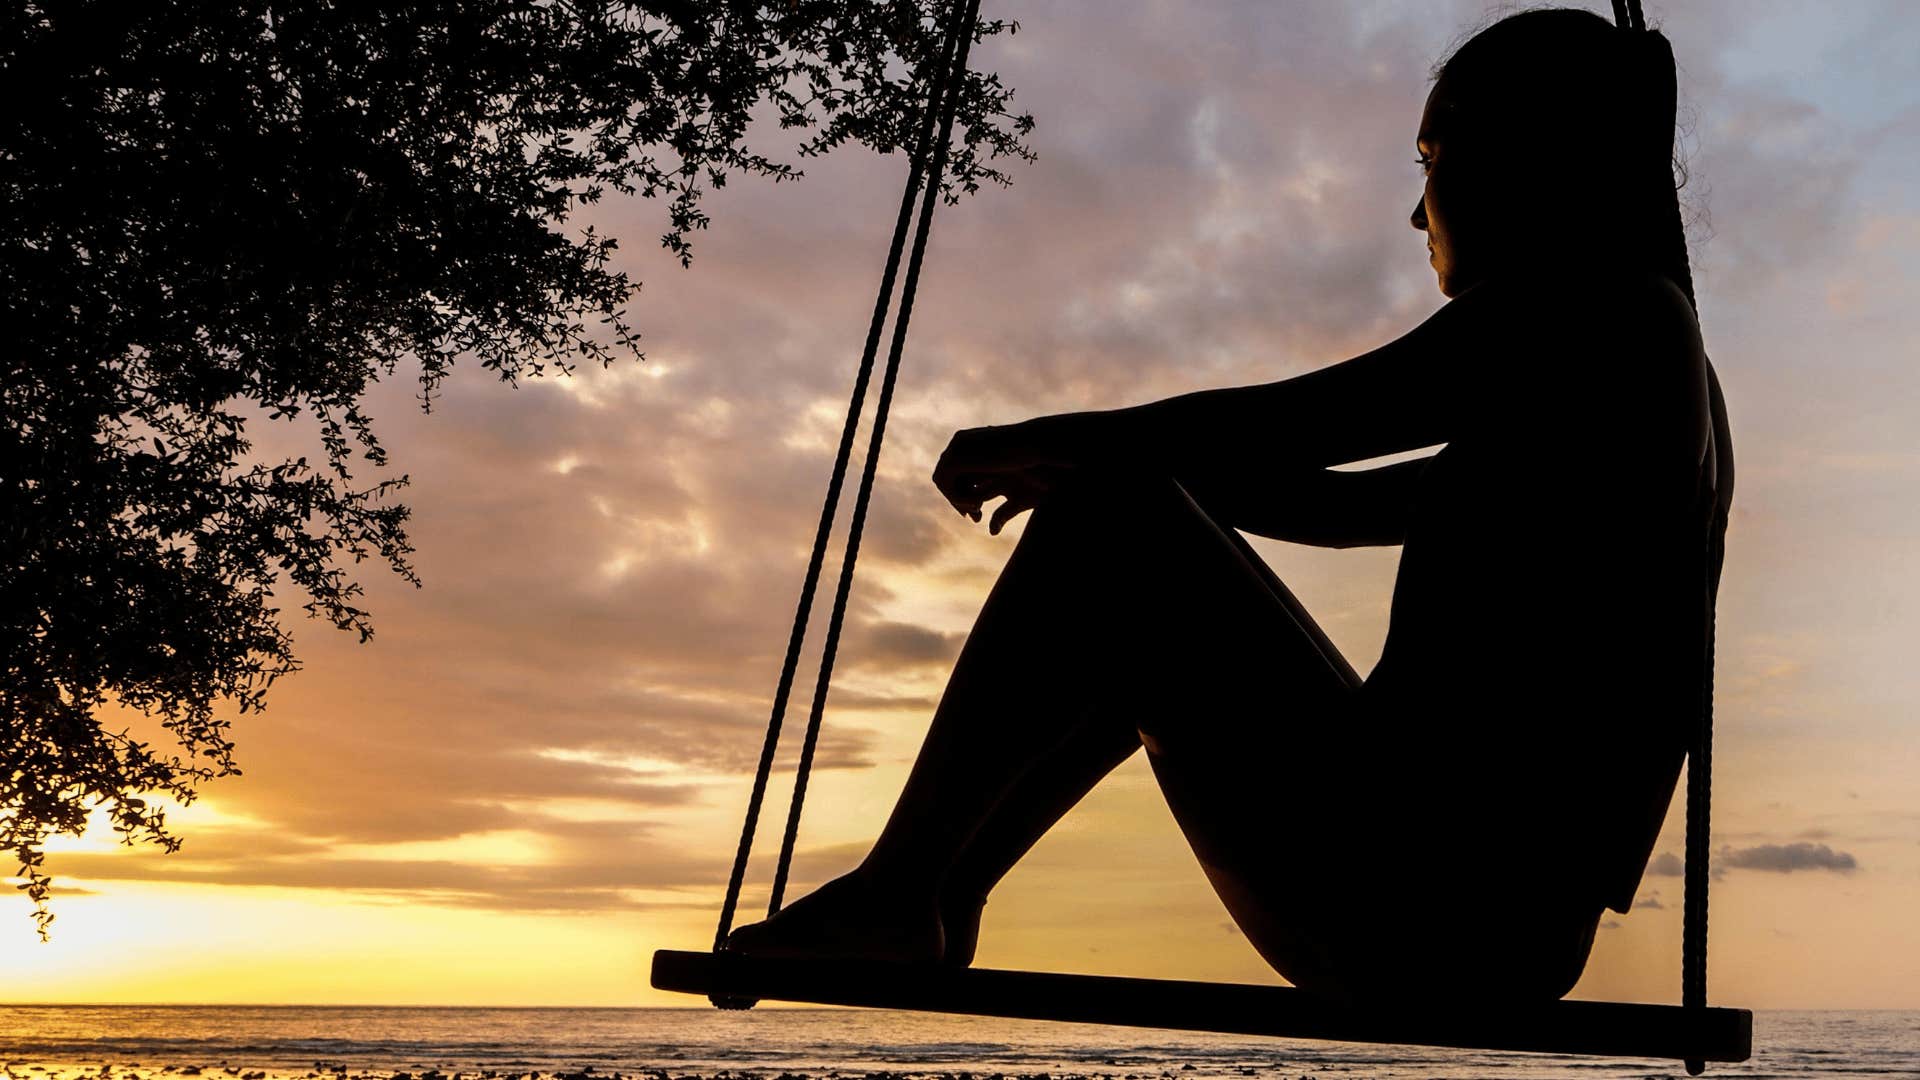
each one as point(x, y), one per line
point(1564, 118)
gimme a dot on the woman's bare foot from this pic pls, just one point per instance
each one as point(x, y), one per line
point(851, 917)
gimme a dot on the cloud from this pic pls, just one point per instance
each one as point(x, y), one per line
point(556, 866)
point(1774, 858)
point(850, 700)
point(902, 645)
point(1787, 858)
point(581, 866)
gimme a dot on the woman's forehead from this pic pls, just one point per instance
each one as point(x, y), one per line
point(1439, 103)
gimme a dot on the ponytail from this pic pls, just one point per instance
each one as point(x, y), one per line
point(1653, 81)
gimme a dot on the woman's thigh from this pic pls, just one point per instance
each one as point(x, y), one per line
point(1257, 728)
point(1195, 613)
point(1325, 821)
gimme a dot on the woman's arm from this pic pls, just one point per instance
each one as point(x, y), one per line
point(1537, 362)
point(1324, 508)
point(1231, 443)
point(1418, 390)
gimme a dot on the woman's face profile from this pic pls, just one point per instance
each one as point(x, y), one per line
point(1439, 211)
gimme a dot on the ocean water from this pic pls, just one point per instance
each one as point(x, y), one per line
point(160, 1042)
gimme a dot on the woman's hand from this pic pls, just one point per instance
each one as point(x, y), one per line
point(1021, 463)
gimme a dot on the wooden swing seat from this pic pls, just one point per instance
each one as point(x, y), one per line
point(1563, 1027)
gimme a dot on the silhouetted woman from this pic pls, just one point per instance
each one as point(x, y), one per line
point(1469, 809)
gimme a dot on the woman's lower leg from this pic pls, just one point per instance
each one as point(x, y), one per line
point(1024, 724)
point(1042, 796)
point(1024, 691)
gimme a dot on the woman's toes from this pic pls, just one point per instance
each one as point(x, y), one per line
point(845, 919)
point(748, 938)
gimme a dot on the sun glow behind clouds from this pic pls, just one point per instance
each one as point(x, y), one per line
point(187, 818)
point(184, 944)
point(642, 766)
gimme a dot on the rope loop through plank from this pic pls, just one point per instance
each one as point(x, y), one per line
point(947, 80)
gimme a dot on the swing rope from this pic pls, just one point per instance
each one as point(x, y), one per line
point(946, 79)
point(956, 73)
point(1628, 15)
point(1693, 887)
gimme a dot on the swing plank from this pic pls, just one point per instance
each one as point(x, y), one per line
point(1562, 1027)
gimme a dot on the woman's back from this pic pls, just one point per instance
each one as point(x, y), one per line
point(1547, 628)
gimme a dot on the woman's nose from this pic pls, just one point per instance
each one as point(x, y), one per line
point(1420, 214)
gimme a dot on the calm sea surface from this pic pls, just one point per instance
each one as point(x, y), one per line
point(703, 1042)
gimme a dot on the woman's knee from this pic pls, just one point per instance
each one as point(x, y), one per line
point(1099, 490)
point(1100, 517)
point(1130, 509)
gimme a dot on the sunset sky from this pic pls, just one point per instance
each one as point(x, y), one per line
point(533, 776)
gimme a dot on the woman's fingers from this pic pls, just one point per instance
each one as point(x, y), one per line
point(972, 469)
point(982, 464)
point(1029, 490)
point(966, 492)
point(970, 492)
point(1014, 506)
point(953, 480)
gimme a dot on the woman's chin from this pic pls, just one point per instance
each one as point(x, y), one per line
point(1452, 283)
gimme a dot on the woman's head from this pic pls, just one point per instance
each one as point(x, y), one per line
point(1547, 142)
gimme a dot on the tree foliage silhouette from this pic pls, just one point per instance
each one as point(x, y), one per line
point(222, 214)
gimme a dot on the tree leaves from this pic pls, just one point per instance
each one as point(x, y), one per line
point(213, 215)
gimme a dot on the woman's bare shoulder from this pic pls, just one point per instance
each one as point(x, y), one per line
point(1598, 355)
point(1625, 330)
point(1587, 306)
